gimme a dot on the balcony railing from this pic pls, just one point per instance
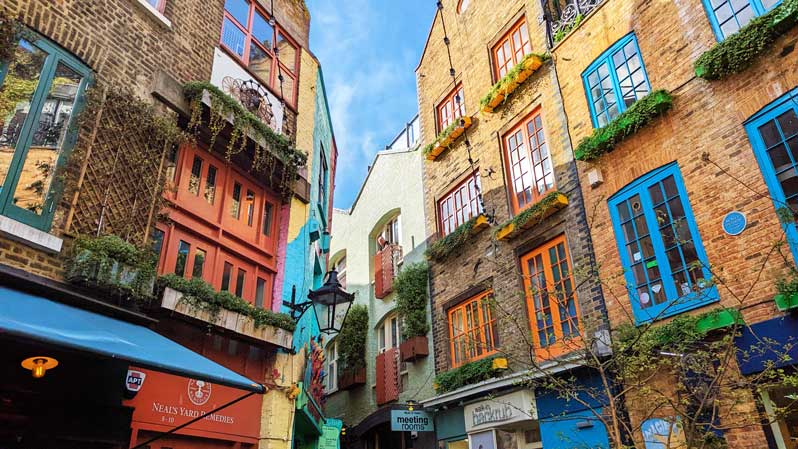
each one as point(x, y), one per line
point(388, 376)
point(564, 16)
point(386, 267)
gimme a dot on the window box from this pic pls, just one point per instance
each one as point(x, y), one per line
point(504, 88)
point(351, 378)
point(447, 137)
point(532, 216)
point(718, 319)
point(453, 241)
point(414, 348)
point(470, 373)
point(786, 302)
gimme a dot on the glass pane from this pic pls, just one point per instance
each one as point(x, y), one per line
point(288, 87)
point(262, 31)
point(260, 63)
point(47, 143)
point(250, 207)
point(239, 9)
point(194, 179)
point(233, 38)
point(210, 185)
point(240, 282)
point(268, 216)
point(226, 274)
point(199, 263)
point(788, 123)
point(260, 290)
point(235, 207)
point(182, 257)
point(287, 52)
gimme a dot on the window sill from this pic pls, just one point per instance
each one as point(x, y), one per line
point(159, 17)
point(30, 236)
point(681, 305)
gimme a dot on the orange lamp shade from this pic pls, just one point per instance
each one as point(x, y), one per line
point(39, 365)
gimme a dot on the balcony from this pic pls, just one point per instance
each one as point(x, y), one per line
point(386, 267)
point(568, 17)
point(388, 376)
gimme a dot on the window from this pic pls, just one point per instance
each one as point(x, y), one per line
point(250, 207)
point(235, 207)
point(182, 257)
point(199, 263)
point(260, 292)
point(44, 87)
point(268, 218)
point(615, 80)
point(157, 4)
point(528, 162)
point(240, 283)
point(210, 184)
point(323, 176)
point(227, 272)
point(774, 136)
point(551, 300)
point(728, 16)
point(332, 366)
point(389, 332)
point(780, 406)
point(661, 252)
point(171, 163)
point(511, 49)
point(472, 330)
point(257, 42)
point(451, 108)
point(157, 243)
point(340, 267)
point(196, 174)
point(459, 205)
point(462, 5)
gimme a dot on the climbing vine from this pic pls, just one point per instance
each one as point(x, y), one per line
point(411, 299)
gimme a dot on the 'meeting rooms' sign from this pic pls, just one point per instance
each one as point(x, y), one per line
point(415, 421)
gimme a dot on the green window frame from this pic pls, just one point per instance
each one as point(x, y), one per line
point(35, 124)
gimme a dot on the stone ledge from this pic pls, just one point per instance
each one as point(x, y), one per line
point(157, 15)
point(29, 235)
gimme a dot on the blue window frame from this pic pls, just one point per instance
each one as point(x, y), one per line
point(773, 133)
point(45, 86)
point(615, 80)
point(664, 262)
point(728, 16)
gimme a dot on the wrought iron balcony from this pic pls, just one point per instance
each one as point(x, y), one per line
point(564, 16)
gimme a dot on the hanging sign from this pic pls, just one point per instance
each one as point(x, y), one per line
point(734, 223)
point(415, 421)
point(661, 433)
point(501, 410)
point(329, 438)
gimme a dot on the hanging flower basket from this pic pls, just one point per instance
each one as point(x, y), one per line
point(447, 137)
point(414, 348)
point(532, 216)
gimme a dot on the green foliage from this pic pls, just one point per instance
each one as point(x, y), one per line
point(112, 265)
point(9, 29)
point(510, 79)
point(428, 148)
point(352, 338)
point(411, 299)
point(467, 374)
point(451, 242)
point(788, 286)
point(201, 295)
point(740, 50)
point(640, 114)
point(564, 31)
point(534, 212)
point(244, 123)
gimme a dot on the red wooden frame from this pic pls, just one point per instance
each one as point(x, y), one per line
point(273, 83)
point(447, 111)
point(527, 157)
point(452, 206)
point(511, 48)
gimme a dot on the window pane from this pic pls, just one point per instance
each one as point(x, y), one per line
point(239, 9)
point(260, 292)
point(157, 243)
point(235, 207)
point(260, 63)
point(38, 171)
point(199, 263)
point(262, 31)
point(289, 84)
point(182, 257)
point(194, 179)
point(240, 282)
point(226, 274)
point(268, 217)
point(210, 184)
point(287, 52)
point(233, 38)
point(250, 207)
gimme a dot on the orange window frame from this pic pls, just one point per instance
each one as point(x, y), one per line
point(511, 48)
point(459, 205)
point(553, 315)
point(528, 163)
point(273, 83)
point(447, 111)
point(478, 336)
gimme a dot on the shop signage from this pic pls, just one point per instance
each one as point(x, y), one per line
point(661, 433)
point(415, 421)
point(501, 410)
point(329, 438)
point(134, 380)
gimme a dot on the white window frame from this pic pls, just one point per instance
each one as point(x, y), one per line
point(331, 361)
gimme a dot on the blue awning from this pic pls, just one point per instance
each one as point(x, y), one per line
point(46, 321)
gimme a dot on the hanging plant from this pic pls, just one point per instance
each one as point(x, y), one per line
point(411, 300)
point(456, 239)
point(352, 338)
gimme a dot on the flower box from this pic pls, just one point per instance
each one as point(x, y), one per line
point(351, 378)
point(494, 102)
point(108, 275)
point(448, 137)
point(443, 247)
point(718, 319)
point(532, 216)
point(505, 87)
point(414, 348)
point(786, 302)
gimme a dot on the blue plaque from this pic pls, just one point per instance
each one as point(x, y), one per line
point(734, 223)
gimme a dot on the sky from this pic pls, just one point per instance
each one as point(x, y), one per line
point(369, 50)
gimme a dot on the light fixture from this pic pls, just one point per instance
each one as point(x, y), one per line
point(39, 365)
point(330, 303)
point(411, 404)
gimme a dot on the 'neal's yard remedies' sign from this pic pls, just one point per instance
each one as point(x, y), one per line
point(501, 410)
point(415, 421)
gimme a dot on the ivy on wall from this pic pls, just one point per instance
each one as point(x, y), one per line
point(352, 338)
point(470, 373)
point(454, 240)
point(411, 300)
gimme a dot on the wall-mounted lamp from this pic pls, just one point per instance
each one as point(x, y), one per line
point(39, 365)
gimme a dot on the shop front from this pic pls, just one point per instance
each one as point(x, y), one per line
point(508, 421)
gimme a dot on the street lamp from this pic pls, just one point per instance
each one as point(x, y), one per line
point(330, 303)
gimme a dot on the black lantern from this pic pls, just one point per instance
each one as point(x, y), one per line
point(331, 304)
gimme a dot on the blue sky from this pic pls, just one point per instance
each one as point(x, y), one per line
point(369, 50)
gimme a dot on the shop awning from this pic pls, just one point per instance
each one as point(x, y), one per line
point(40, 319)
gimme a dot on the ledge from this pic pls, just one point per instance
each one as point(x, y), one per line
point(29, 235)
point(228, 320)
point(455, 239)
point(446, 138)
point(786, 302)
point(505, 87)
point(157, 15)
point(532, 216)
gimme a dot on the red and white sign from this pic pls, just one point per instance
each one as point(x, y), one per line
point(199, 391)
point(134, 380)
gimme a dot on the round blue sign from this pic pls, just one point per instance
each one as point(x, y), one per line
point(734, 223)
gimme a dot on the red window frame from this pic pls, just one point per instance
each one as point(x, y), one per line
point(511, 48)
point(447, 111)
point(273, 83)
point(547, 274)
point(459, 205)
point(479, 336)
point(528, 163)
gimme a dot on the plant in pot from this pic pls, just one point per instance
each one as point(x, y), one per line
point(787, 297)
point(411, 300)
point(352, 348)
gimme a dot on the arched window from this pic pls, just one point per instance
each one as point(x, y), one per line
point(462, 5)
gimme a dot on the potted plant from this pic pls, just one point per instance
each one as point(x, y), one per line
point(787, 297)
point(352, 348)
point(411, 302)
